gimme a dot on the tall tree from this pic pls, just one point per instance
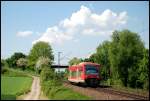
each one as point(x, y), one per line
point(113, 55)
point(40, 49)
point(144, 70)
point(125, 52)
point(101, 57)
point(92, 58)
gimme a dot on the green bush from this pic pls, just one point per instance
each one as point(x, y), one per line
point(46, 87)
point(12, 72)
point(50, 82)
point(4, 70)
point(109, 82)
point(118, 82)
point(47, 73)
point(54, 90)
point(146, 85)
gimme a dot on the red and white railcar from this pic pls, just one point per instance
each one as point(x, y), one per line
point(85, 72)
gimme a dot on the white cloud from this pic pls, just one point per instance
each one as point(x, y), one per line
point(84, 22)
point(24, 33)
point(53, 35)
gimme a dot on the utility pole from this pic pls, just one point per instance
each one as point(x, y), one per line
point(59, 61)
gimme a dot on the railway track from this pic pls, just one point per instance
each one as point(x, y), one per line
point(112, 91)
point(120, 93)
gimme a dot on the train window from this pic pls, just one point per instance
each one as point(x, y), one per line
point(90, 69)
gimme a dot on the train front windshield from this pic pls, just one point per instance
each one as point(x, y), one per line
point(90, 69)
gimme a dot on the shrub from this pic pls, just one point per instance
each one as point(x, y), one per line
point(47, 73)
point(4, 70)
point(42, 62)
point(22, 62)
point(50, 82)
point(54, 90)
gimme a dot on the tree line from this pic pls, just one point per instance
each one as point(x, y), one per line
point(124, 60)
point(41, 53)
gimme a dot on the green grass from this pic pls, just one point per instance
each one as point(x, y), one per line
point(64, 93)
point(19, 72)
point(11, 87)
point(26, 71)
point(14, 73)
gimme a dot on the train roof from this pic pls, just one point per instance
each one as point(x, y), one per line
point(88, 63)
point(85, 63)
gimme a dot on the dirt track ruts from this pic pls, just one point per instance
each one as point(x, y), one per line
point(35, 90)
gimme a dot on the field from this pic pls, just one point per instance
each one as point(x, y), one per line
point(11, 87)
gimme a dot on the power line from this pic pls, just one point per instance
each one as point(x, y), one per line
point(65, 56)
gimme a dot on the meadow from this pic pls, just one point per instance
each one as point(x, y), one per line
point(13, 86)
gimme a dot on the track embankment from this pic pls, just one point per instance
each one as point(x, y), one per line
point(100, 93)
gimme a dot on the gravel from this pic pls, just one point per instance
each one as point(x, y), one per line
point(95, 95)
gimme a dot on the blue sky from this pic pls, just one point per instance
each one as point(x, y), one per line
point(75, 28)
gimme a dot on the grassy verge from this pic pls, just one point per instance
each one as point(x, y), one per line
point(43, 97)
point(13, 73)
point(24, 72)
point(131, 90)
point(127, 89)
point(64, 93)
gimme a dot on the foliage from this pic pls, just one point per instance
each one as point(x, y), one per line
point(74, 61)
point(125, 51)
point(143, 69)
point(40, 49)
point(22, 62)
point(49, 80)
point(14, 72)
point(102, 58)
point(41, 62)
point(124, 60)
point(3, 66)
point(2, 62)
point(12, 61)
point(4, 70)
point(113, 55)
point(65, 74)
point(47, 73)
point(92, 58)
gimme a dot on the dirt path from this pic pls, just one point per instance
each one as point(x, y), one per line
point(35, 90)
